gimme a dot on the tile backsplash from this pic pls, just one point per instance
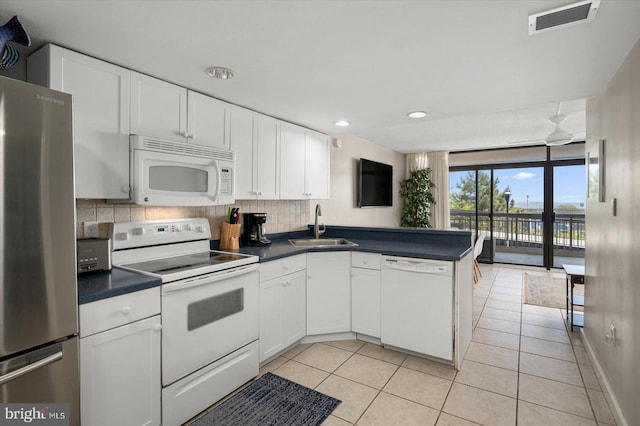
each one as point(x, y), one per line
point(283, 215)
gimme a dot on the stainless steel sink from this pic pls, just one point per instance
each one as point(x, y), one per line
point(322, 242)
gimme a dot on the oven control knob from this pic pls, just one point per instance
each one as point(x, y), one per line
point(188, 227)
point(137, 231)
point(123, 236)
point(199, 229)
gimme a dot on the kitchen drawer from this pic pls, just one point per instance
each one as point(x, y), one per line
point(116, 311)
point(365, 260)
point(278, 268)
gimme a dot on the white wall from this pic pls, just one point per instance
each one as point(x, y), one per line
point(342, 208)
point(612, 290)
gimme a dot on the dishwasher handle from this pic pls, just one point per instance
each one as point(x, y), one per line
point(416, 266)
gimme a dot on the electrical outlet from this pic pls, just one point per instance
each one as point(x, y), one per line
point(91, 229)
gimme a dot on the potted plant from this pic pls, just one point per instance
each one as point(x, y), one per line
point(418, 199)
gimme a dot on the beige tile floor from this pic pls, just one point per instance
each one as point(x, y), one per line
point(522, 367)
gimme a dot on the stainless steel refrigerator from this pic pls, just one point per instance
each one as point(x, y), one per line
point(38, 295)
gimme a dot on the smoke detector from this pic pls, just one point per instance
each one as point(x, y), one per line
point(575, 13)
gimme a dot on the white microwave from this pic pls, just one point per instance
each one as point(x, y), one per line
point(165, 173)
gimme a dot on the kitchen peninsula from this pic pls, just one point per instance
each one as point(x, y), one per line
point(347, 290)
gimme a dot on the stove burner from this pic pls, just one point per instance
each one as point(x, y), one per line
point(187, 262)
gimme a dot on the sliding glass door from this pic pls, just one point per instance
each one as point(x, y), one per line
point(518, 206)
point(569, 198)
point(530, 213)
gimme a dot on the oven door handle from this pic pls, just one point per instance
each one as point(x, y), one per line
point(210, 279)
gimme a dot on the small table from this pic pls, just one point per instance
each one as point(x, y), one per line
point(575, 275)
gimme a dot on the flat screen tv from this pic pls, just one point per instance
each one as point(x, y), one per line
point(375, 183)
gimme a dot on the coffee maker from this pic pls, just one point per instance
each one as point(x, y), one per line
point(253, 233)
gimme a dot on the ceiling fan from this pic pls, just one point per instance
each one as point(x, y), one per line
point(557, 137)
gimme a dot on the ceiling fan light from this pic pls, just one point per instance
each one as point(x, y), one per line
point(558, 137)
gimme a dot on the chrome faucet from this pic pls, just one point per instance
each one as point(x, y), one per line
point(316, 229)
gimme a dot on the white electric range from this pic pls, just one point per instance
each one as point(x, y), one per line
point(209, 310)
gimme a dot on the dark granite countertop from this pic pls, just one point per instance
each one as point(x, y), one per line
point(94, 286)
point(420, 243)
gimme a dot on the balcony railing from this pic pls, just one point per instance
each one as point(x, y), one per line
point(525, 229)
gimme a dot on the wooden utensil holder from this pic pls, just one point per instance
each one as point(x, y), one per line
point(230, 236)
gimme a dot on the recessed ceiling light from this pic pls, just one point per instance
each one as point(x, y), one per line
point(417, 114)
point(220, 72)
point(342, 123)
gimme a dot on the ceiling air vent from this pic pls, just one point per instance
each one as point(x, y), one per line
point(575, 13)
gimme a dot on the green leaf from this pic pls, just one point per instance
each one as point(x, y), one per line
point(417, 193)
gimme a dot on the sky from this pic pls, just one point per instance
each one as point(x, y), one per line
point(569, 184)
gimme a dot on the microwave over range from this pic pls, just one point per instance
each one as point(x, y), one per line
point(165, 173)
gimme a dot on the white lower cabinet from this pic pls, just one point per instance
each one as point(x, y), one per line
point(365, 301)
point(328, 292)
point(282, 304)
point(365, 294)
point(120, 360)
point(120, 375)
point(282, 313)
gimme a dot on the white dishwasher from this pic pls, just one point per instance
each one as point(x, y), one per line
point(417, 305)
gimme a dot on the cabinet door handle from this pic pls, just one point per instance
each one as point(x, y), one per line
point(126, 310)
point(308, 276)
point(126, 188)
point(157, 327)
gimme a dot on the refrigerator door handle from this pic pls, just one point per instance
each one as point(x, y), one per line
point(31, 367)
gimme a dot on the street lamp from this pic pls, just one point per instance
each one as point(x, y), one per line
point(507, 198)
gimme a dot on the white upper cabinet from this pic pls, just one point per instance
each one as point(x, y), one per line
point(208, 121)
point(267, 146)
point(292, 162)
point(317, 165)
point(158, 108)
point(100, 117)
point(171, 112)
point(304, 163)
point(242, 143)
point(255, 139)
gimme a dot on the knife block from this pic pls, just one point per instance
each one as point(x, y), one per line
point(230, 236)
